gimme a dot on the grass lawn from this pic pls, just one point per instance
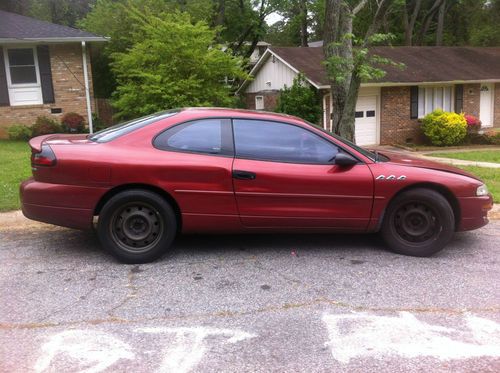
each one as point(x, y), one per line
point(492, 156)
point(491, 176)
point(15, 166)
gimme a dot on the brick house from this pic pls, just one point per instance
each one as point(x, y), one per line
point(460, 79)
point(44, 70)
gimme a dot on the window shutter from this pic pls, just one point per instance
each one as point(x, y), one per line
point(414, 102)
point(4, 90)
point(45, 74)
point(459, 98)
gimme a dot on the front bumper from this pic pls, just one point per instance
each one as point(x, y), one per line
point(69, 206)
point(474, 212)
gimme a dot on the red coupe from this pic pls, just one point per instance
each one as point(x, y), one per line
point(230, 171)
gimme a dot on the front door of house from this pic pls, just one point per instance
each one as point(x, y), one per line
point(486, 105)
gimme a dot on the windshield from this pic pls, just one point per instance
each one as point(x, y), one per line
point(121, 129)
point(366, 153)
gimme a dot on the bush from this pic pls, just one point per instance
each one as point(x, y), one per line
point(493, 137)
point(473, 123)
point(474, 138)
point(45, 125)
point(300, 100)
point(98, 124)
point(73, 122)
point(19, 132)
point(444, 128)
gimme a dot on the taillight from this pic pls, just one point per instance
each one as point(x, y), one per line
point(44, 158)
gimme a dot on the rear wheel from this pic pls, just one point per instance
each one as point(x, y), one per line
point(419, 222)
point(137, 226)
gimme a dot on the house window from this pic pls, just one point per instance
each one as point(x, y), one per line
point(432, 98)
point(22, 66)
point(259, 102)
point(23, 76)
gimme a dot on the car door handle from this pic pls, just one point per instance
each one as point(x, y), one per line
point(244, 175)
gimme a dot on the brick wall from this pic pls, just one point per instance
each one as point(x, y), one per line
point(396, 127)
point(472, 93)
point(270, 100)
point(496, 108)
point(69, 92)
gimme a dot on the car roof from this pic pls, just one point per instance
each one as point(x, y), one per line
point(242, 113)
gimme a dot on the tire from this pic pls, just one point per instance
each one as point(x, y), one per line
point(419, 222)
point(137, 226)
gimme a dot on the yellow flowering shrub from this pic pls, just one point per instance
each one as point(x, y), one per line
point(444, 128)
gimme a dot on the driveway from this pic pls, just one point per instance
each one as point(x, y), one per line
point(248, 303)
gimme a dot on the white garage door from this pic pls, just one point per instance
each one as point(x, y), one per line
point(366, 120)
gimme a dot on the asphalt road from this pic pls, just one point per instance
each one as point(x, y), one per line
point(273, 303)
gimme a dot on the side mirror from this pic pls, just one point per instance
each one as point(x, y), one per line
point(345, 160)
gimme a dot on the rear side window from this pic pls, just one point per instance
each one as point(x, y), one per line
point(280, 142)
point(121, 129)
point(209, 136)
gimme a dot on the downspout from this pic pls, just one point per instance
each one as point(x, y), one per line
point(87, 88)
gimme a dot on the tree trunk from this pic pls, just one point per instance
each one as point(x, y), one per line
point(426, 22)
point(440, 24)
point(409, 23)
point(344, 80)
point(304, 35)
point(340, 22)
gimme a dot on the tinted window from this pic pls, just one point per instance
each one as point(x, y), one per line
point(280, 142)
point(201, 136)
point(121, 129)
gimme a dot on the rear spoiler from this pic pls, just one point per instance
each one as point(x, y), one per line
point(36, 142)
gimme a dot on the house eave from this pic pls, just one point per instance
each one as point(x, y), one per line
point(88, 39)
point(406, 84)
point(259, 64)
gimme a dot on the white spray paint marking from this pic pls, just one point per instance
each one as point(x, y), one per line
point(364, 335)
point(89, 351)
point(189, 345)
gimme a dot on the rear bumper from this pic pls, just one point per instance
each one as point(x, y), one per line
point(64, 205)
point(474, 211)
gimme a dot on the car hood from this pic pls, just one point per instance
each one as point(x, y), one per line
point(412, 161)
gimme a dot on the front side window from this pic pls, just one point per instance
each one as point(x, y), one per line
point(432, 98)
point(22, 67)
point(280, 142)
point(200, 136)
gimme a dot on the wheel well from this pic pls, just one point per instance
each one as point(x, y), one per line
point(445, 192)
point(118, 189)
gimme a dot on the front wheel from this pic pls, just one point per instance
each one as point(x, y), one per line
point(137, 226)
point(419, 222)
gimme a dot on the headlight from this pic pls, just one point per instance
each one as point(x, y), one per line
point(482, 190)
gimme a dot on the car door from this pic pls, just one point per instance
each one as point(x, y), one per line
point(285, 176)
point(196, 166)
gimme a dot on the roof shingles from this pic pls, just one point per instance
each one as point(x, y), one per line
point(15, 26)
point(421, 64)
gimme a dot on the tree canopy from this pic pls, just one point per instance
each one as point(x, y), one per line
point(189, 70)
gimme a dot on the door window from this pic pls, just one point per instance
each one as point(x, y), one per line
point(211, 136)
point(280, 142)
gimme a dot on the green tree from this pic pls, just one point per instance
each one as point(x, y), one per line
point(348, 62)
point(300, 100)
point(188, 70)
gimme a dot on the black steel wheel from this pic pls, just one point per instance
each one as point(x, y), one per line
point(137, 226)
point(419, 222)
